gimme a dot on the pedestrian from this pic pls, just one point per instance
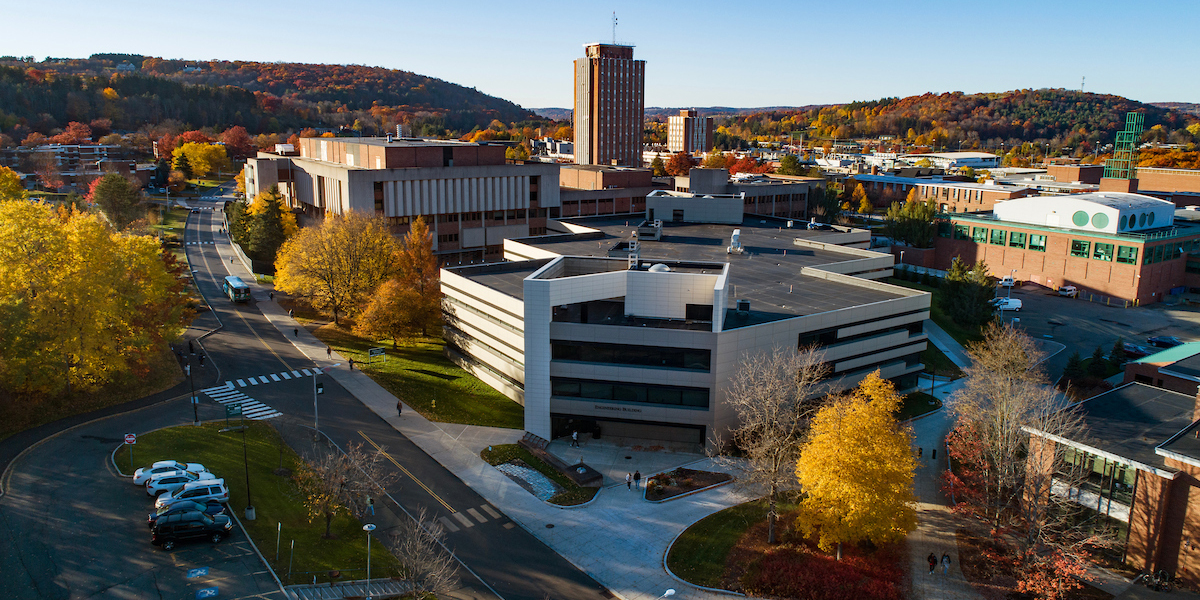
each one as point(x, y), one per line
point(191, 350)
point(201, 359)
point(272, 295)
point(932, 563)
point(231, 260)
point(637, 479)
point(291, 314)
point(328, 352)
point(399, 408)
point(352, 364)
point(575, 439)
point(371, 505)
point(295, 332)
point(945, 563)
point(629, 481)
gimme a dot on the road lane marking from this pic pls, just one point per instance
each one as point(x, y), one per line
point(273, 377)
point(241, 383)
point(252, 381)
point(306, 372)
point(478, 517)
point(285, 375)
point(295, 374)
point(263, 379)
point(509, 525)
point(448, 524)
point(406, 472)
point(487, 508)
point(461, 519)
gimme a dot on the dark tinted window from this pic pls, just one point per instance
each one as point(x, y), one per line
point(630, 392)
point(627, 354)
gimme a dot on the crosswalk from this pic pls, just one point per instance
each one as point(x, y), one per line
point(252, 409)
point(199, 243)
point(458, 521)
point(270, 378)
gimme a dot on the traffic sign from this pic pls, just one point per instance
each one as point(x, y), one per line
point(194, 573)
point(206, 593)
point(130, 438)
point(373, 352)
point(233, 410)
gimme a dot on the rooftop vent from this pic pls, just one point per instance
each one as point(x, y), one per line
point(659, 268)
point(743, 306)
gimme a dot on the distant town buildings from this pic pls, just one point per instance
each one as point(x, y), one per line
point(609, 106)
point(689, 132)
point(951, 196)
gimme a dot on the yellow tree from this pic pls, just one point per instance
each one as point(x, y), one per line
point(856, 469)
point(203, 158)
point(412, 302)
point(10, 185)
point(287, 218)
point(337, 264)
point(860, 198)
point(914, 196)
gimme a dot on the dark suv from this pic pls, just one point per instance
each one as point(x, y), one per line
point(189, 526)
point(211, 508)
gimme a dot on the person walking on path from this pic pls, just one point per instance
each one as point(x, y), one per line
point(637, 479)
point(291, 314)
point(629, 481)
point(352, 364)
point(932, 562)
point(371, 505)
point(201, 360)
point(191, 350)
point(272, 294)
point(945, 563)
point(399, 409)
point(575, 439)
point(329, 352)
point(295, 332)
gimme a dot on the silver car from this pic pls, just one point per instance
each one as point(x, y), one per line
point(198, 491)
point(143, 474)
point(173, 480)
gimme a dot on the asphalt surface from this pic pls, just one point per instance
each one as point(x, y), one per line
point(69, 528)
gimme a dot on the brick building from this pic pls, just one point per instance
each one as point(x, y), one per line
point(609, 106)
point(1108, 244)
point(689, 132)
point(1071, 173)
point(1139, 466)
point(1181, 186)
point(951, 196)
point(776, 195)
point(587, 190)
point(1176, 369)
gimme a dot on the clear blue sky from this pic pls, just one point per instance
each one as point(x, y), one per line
point(701, 53)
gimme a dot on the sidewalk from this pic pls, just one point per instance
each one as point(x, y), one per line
point(627, 558)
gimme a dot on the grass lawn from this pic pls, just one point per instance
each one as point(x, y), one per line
point(18, 413)
point(276, 499)
point(572, 494)
point(917, 404)
point(422, 376)
point(964, 335)
point(938, 363)
point(700, 553)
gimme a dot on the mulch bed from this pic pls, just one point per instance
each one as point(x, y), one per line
point(681, 481)
point(991, 581)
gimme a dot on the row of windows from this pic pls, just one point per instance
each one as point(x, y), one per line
point(665, 395)
point(447, 238)
point(1037, 243)
point(1161, 252)
point(625, 354)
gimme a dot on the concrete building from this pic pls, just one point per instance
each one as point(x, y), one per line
point(778, 195)
point(470, 197)
point(951, 196)
point(955, 160)
point(1136, 473)
point(1114, 246)
point(689, 132)
point(635, 329)
point(591, 190)
point(609, 106)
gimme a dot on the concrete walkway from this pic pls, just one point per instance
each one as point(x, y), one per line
point(948, 345)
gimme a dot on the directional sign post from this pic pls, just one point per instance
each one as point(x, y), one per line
point(130, 440)
point(233, 410)
point(373, 352)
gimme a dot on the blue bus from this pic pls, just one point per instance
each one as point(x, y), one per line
point(236, 289)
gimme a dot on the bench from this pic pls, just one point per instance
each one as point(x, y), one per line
point(537, 447)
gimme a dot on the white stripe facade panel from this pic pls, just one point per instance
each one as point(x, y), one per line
point(880, 357)
point(486, 355)
point(878, 343)
point(462, 285)
point(499, 336)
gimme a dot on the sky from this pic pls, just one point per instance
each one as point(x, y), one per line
point(700, 53)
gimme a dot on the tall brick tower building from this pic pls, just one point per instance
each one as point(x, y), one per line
point(609, 106)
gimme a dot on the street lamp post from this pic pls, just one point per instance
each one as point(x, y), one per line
point(369, 527)
point(316, 419)
point(1012, 275)
point(246, 466)
point(192, 385)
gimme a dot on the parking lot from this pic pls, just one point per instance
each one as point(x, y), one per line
point(72, 528)
point(1081, 325)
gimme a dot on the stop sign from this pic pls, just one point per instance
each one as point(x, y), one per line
point(130, 438)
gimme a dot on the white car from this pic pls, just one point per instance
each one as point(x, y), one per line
point(1012, 304)
point(199, 491)
point(1069, 291)
point(1007, 282)
point(173, 480)
point(144, 474)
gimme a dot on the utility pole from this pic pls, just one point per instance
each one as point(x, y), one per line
point(192, 384)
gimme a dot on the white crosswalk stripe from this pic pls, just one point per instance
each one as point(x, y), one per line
point(251, 409)
point(306, 372)
point(296, 374)
point(271, 378)
point(274, 377)
point(241, 383)
point(285, 375)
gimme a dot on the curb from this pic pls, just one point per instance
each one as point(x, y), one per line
point(685, 494)
point(685, 582)
point(573, 506)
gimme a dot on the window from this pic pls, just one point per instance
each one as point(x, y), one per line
point(962, 232)
point(1016, 239)
point(447, 238)
point(1127, 255)
point(979, 235)
point(1103, 252)
point(687, 397)
point(998, 237)
point(945, 229)
point(1037, 242)
point(1149, 257)
point(1080, 248)
point(1159, 252)
point(627, 354)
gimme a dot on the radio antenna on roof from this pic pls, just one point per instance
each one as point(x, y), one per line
point(614, 28)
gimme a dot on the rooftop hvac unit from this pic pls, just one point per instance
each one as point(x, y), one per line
point(735, 244)
point(743, 306)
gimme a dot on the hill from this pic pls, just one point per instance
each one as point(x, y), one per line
point(1186, 107)
point(133, 90)
point(1062, 118)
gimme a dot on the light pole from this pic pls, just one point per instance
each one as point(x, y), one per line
point(1012, 281)
point(316, 390)
point(246, 465)
point(369, 527)
point(192, 384)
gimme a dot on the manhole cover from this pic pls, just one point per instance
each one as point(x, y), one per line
point(549, 525)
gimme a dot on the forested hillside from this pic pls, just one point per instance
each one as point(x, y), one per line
point(262, 97)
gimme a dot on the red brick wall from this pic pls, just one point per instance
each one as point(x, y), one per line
point(1081, 173)
point(1150, 506)
point(1169, 180)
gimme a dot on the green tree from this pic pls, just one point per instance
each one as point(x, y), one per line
point(118, 198)
point(182, 164)
point(266, 233)
point(912, 223)
point(967, 292)
point(1117, 356)
point(829, 206)
point(658, 166)
point(790, 165)
point(715, 160)
point(1074, 369)
point(239, 221)
point(856, 469)
point(1099, 365)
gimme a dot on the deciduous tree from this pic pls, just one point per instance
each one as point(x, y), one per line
point(333, 482)
point(715, 160)
point(856, 469)
point(774, 394)
point(912, 223)
point(679, 165)
point(790, 165)
point(860, 200)
point(338, 263)
point(10, 185)
point(237, 141)
point(201, 158)
point(425, 565)
point(118, 197)
point(658, 166)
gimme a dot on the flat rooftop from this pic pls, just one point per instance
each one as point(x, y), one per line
point(398, 142)
point(1133, 419)
point(767, 273)
point(504, 277)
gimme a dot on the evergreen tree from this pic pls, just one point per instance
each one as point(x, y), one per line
point(266, 233)
point(183, 165)
point(1074, 369)
point(789, 165)
point(1099, 365)
point(658, 166)
point(1117, 356)
point(967, 292)
point(239, 228)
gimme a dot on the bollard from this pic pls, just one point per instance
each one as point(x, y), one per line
point(933, 454)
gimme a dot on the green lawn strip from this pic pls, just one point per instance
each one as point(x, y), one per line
point(422, 376)
point(700, 552)
point(917, 404)
point(18, 413)
point(938, 363)
point(573, 494)
point(964, 335)
point(276, 499)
